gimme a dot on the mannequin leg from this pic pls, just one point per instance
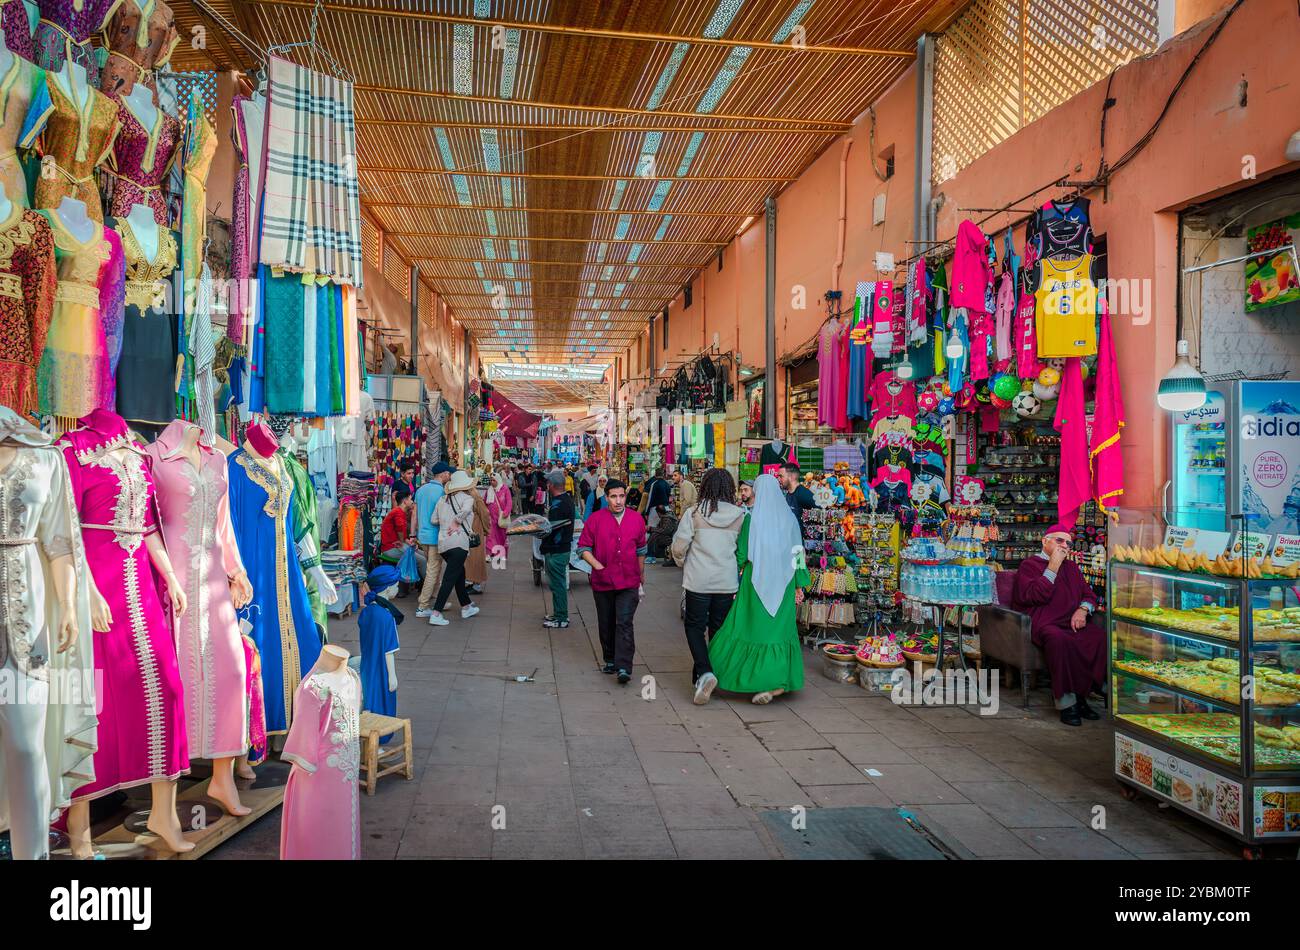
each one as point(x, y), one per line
point(222, 787)
point(22, 747)
point(243, 769)
point(79, 831)
point(162, 816)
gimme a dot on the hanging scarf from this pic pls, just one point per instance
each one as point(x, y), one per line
point(774, 543)
point(1106, 460)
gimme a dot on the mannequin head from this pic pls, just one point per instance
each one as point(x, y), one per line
point(260, 437)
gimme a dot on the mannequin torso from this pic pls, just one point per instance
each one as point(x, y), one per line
point(6, 206)
point(146, 230)
point(72, 215)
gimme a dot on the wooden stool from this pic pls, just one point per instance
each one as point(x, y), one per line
point(374, 727)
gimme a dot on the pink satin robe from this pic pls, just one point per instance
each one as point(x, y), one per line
point(321, 820)
point(196, 525)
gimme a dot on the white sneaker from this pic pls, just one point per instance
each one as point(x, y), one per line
point(467, 612)
point(424, 612)
point(438, 620)
point(704, 689)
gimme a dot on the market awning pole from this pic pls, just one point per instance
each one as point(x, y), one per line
point(924, 137)
point(769, 308)
point(415, 318)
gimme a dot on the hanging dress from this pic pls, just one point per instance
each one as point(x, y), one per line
point(141, 37)
point(17, 27)
point(321, 818)
point(147, 366)
point(75, 138)
point(195, 516)
point(305, 502)
point(77, 368)
point(141, 161)
point(28, 279)
point(141, 734)
point(64, 31)
point(265, 516)
point(24, 107)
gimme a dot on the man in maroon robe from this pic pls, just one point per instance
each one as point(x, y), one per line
point(1051, 589)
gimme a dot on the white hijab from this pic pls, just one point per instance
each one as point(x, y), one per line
point(775, 545)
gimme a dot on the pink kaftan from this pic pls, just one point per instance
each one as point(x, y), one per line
point(499, 502)
point(201, 544)
point(320, 820)
point(142, 717)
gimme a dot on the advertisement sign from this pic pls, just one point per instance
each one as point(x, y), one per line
point(1197, 540)
point(1215, 409)
point(1277, 812)
point(1270, 456)
point(1217, 798)
point(1286, 550)
point(1271, 279)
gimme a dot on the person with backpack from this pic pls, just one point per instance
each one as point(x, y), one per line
point(705, 546)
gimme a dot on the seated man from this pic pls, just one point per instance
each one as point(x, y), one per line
point(1051, 589)
point(395, 533)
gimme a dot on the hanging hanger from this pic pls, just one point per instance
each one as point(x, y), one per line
point(315, 49)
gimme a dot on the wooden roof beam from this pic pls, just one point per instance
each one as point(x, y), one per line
point(556, 176)
point(531, 127)
point(434, 206)
point(438, 235)
point(629, 36)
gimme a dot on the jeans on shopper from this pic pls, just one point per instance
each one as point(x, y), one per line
point(453, 575)
point(614, 612)
point(432, 576)
point(557, 572)
point(704, 615)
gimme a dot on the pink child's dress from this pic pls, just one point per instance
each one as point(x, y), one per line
point(320, 820)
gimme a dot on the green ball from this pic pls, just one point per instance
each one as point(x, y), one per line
point(1005, 386)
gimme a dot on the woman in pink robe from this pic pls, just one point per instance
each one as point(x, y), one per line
point(320, 820)
point(499, 506)
point(201, 542)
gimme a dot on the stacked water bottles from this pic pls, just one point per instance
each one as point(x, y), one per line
point(954, 571)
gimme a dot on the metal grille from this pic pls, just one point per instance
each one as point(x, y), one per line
point(1006, 63)
point(397, 271)
point(202, 81)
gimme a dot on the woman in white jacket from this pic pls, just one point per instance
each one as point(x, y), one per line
point(454, 514)
point(705, 546)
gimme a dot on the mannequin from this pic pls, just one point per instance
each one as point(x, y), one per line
point(6, 206)
point(195, 516)
point(45, 748)
point(320, 817)
point(74, 217)
point(266, 520)
point(28, 281)
point(6, 56)
point(146, 230)
point(141, 736)
point(146, 393)
point(142, 154)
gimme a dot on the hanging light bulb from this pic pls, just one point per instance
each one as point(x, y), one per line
point(954, 348)
point(1183, 387)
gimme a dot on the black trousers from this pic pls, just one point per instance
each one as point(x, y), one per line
point(453, 575)
point(704, 614)
point(614, 612)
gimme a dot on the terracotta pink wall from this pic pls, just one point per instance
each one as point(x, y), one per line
point(1197, 153)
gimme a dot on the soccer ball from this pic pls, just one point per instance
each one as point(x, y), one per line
point(1026, 405)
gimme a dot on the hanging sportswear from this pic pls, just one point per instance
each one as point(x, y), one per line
point(1066, 306)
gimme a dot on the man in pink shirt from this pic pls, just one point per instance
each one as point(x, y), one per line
point(613, 542)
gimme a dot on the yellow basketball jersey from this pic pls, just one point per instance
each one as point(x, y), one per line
point(1066, 308)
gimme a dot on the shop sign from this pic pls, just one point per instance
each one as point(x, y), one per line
point(1271, 279)
point(1270, 455)
point(1215, 409)
point(1277, 811)
point(1255, 544)
point(1197, 541)
point(1286, 550)
point(1209, 794)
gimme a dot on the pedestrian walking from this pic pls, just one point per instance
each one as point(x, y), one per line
point(613, 542)
point(705, 546)
point(499, 507)
point(557, 548)
point(427, 497)
point(476, 563)
point(455, 514)
point(757, 648)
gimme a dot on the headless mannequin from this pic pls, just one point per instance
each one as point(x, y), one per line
point(74, 84)
point(222, 787)
point(146, 231)
point(72, 215)
point(7, 56)
point(64, 574)
point(332, 659)
point(163, 821)
point(139, 102)
point(6, 206)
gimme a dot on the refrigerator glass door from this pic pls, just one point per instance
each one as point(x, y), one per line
point(1200, 464)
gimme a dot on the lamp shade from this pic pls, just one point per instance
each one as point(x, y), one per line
point(1183, 387)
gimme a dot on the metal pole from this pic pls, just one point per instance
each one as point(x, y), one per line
point(769, 306)
point(924, 136)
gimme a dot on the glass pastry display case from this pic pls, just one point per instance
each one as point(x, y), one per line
point(1204, 679)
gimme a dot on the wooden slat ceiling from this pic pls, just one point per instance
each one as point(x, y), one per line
point(440, 91)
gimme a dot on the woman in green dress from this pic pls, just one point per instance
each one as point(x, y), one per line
point(757, 648)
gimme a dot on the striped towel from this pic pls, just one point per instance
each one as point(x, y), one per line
point(311, 213)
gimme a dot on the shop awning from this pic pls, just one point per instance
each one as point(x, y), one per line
point(514, 422)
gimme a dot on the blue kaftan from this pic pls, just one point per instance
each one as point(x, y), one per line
point(378, 639)
point(265, 517)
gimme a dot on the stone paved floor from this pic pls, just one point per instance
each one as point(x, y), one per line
point(586, 768)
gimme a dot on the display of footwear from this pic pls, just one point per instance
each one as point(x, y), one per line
point(704, 688)
point(438, 620)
